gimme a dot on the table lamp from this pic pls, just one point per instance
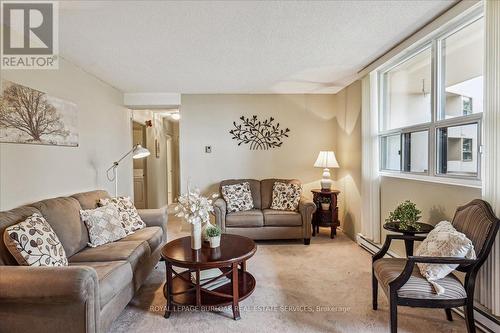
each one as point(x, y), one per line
point(326, 160)
point(137, 152)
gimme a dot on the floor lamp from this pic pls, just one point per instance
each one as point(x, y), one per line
point(137, 152)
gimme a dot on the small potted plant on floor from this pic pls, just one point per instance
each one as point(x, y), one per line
point(325, 203)
point(406, 215)
point(213, 235)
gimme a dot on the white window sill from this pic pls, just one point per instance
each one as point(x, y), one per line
point(474, 183)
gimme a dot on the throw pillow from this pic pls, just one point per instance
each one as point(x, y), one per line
point(286, 196)
point(238, 197)
point(443, 241)
point(33, 242)
point(104, 224)
point(131, 221)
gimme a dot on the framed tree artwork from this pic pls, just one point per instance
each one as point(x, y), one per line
point(32, 117)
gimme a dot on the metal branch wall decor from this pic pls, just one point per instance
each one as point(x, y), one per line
point(259, 134)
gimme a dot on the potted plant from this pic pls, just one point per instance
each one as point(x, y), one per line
point(407, 215)
point(325, 203)
point(213, 235)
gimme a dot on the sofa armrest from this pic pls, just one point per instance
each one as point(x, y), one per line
point(306, 208)
point(49, 298)
point(155, 218)
point(220, 211)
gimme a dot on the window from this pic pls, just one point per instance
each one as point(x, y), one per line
point(408, 92)
point(458, 150)
point(391, 152)
point(462, 67)
point(431, 104)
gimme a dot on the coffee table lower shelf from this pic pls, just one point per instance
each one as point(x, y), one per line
point(184, 293)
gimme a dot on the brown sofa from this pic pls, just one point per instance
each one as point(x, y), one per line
point(99, 282)
point(263, 222)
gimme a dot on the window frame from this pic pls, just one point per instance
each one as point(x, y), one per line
point(434, 42)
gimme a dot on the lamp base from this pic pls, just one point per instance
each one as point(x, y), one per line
point(326, 182)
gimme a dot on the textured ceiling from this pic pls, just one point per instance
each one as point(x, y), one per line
point(234, 47)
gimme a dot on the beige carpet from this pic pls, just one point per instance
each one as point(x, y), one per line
point(324, 287)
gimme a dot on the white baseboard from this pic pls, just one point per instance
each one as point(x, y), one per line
point(483, 321)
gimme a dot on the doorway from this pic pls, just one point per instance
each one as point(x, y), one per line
point(156, 178)
point(140, 167)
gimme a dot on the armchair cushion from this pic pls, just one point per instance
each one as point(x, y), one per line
point(281, 218)
point(417, 287)
point(249, 218)
point(443, 241)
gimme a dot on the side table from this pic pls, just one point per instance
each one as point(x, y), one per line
point(325, 218)
point(424, 228)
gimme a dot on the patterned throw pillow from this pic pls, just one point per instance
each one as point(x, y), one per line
point(131, 221)
point(238, 197)
point(286, 196)
point(104, 224)
point(443, 241)
point(33, 242)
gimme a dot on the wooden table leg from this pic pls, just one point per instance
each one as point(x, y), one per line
point(198, 289)
point(409, 247)
point(168, 287)
point(332, 231)
point(236, 297)
point(243, 266)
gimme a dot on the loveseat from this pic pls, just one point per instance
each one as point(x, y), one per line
point(93, 290)
point(262, 222)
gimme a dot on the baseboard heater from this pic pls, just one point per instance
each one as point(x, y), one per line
point(484, 321)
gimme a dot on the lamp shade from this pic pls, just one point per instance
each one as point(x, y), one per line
point(326, 159)
point(140, 152)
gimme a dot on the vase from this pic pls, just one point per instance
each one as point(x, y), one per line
point(196, 236)
point(325, 206)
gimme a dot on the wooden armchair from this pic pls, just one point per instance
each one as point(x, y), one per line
point(403, 284)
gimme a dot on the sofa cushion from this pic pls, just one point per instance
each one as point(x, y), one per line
point(281, 218)
point(63, 215)
point(33, 243)
point(286, 196)
point(131, 221)
point(266, 190)
point(254, 189)
point(132, 251)
point(104, 224)
point(249, 218)
point(7, 219)
point(90, 200)
point(152, 235)
point(113, 277)
point(238, 197)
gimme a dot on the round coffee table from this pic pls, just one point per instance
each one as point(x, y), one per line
point(230, 258)
point(424, 228)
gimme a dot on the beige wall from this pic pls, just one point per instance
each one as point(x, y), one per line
point(207, 119)
point(33, 172)
point(348, 151)
point(437, 202)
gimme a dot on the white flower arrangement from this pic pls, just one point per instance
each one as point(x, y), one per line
point(194, 208)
